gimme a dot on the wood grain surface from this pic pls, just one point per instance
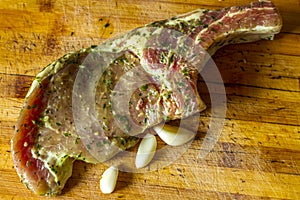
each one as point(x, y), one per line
point(258, 153)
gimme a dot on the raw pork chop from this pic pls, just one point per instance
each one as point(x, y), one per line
point(46, 144)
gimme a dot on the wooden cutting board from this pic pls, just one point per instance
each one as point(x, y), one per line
point(258, 152)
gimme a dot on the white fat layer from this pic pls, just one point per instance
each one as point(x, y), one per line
point(263, 28)
point(196, 15)
point(51, 69)
point(135, 41)
point(229, 14)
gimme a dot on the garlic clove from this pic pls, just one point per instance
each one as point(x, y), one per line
point(174, 136)
point(108, 180)
point(146, 151)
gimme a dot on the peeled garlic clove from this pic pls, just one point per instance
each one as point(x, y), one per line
point(109, 180)
point(145, 151)
point(174, 136)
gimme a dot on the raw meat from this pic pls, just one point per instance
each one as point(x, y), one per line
point(167, 55)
